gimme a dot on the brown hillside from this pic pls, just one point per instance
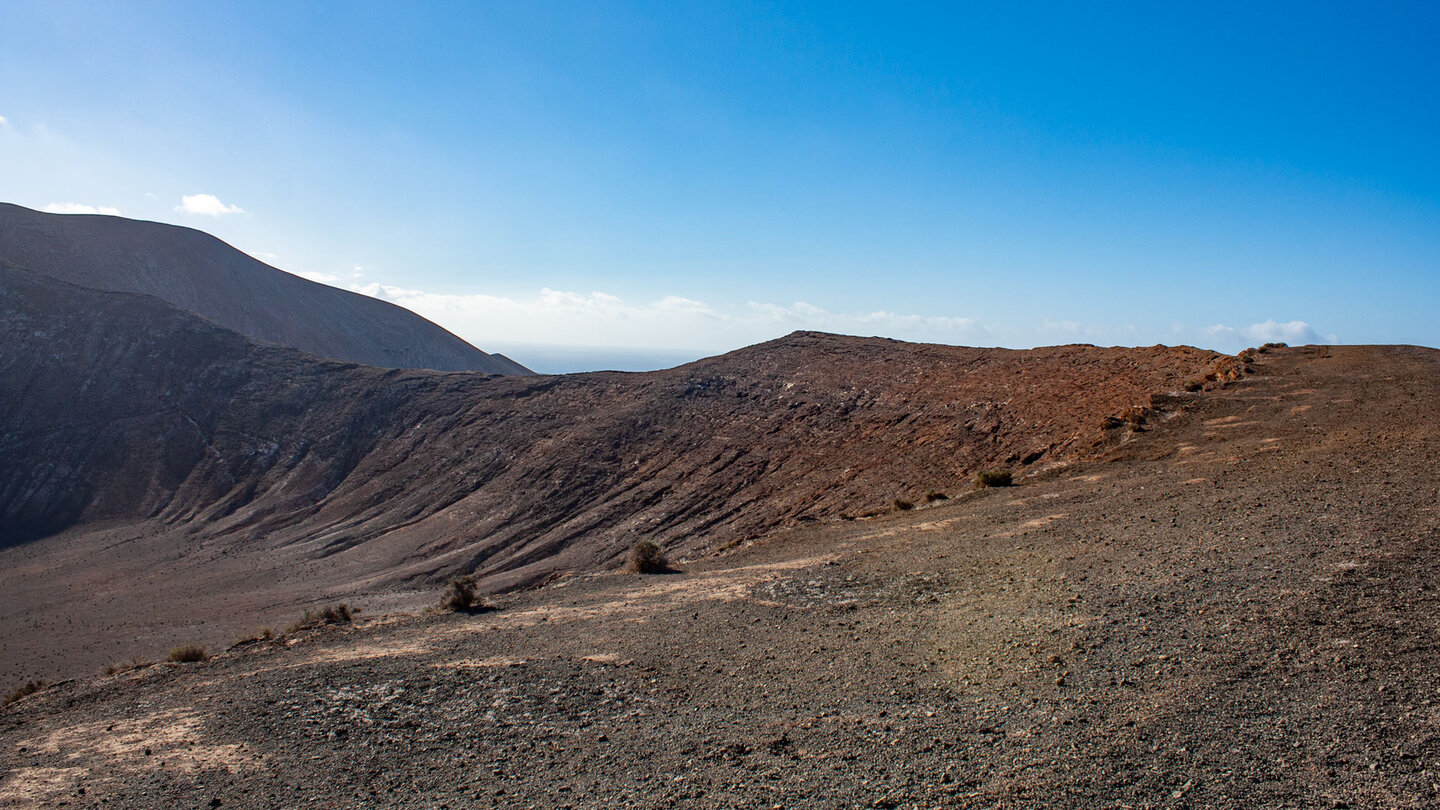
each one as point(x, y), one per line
point(1232, 608)
point(248, 477)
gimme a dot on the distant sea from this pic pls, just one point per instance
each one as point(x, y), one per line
point(554, 359)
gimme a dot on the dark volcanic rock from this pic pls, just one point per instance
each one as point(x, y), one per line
point(201, 274)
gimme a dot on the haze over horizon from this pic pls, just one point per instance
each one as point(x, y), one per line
point(631, 184)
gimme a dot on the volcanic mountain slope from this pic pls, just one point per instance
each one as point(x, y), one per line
point(201, 274)
point(1231, 609)
point(178, 474)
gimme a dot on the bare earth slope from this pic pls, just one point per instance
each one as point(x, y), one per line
point(198, 273)
point(1233, 608)
point(217, 480)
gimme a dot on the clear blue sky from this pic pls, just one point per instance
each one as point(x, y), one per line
point(681, 178)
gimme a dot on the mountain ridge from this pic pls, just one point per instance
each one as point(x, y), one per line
point(200, 273)
point(217, 450)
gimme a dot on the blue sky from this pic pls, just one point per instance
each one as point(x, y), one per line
point(634, 184)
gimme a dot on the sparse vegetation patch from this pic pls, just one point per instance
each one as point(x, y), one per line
point(647, 558)
point(903, 505)
point(331, 614)
point(460, 594)
point(188, 653)
point(27, 688)
point(933, 496)
point(993, 478)
point(263, 634)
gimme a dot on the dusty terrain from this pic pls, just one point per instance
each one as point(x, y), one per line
point(198, 273)
point(163, 479)
point(1233, 607)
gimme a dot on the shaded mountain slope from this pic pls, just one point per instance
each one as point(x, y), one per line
point(201, 274)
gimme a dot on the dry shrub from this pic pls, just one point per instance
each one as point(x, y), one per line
point(188, 653)
point(460, 595)
point(135, 662)
point(263, 634)
point(993, 478)
point(27, 688)
point(331, 614)
point(933, 496)
point(647, 558)
point(903, 505)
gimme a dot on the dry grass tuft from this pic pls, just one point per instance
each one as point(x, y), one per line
point(331, 614)
point(27, 688)
point(188, 653)
point(993, 478)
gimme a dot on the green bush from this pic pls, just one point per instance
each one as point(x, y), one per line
point(993, 478)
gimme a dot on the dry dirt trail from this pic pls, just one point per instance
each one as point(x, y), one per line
point(1235, 607)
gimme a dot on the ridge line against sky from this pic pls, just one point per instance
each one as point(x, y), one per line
point(690, 178)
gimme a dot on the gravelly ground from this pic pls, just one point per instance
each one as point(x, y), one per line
point(1235, 607)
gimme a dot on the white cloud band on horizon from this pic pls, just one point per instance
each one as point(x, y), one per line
point(674, 323)
point(1293, 332)
point(599, 319)
point(207, 205)
point(81, 208)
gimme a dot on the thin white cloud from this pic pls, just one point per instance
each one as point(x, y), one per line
point(601, 319)
point(81, 208)
point(1295, 332)
point(206, 204)
point(321, 278)
point(4, 122)
point(1071, 331)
